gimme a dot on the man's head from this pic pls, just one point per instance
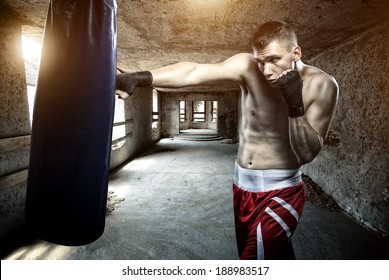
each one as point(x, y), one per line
point(274, 31)
point(275, 49)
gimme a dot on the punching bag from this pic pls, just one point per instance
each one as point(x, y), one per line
point(72, 123)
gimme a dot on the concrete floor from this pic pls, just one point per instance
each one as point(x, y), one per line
point(175, 202)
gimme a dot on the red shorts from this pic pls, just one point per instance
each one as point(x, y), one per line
point(266, 219)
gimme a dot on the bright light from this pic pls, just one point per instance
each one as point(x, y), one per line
point(120, 130)
point(31, 91)
point(31, 55)
point(31, 49)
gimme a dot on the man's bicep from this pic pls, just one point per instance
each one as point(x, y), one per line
point(185, 74)
point(320, 113)
point(214, 73)
point(232, 69)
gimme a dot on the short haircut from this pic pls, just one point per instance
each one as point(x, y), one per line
point(274, 31)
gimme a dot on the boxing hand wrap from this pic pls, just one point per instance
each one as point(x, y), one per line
point(128, 82)
point(291, 86)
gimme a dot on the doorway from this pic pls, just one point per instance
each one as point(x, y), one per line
point(198, 117)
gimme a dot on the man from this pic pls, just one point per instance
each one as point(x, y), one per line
point(287, 108)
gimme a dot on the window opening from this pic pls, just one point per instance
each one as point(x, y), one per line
point(155, 109)
point(214, 111)
point(31, 55)
point(182, 111)
point(198, 112)
point(119, 125)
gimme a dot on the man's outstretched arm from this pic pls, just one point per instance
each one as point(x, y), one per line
point(184, 74)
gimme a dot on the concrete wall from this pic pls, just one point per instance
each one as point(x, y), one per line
point(14, 124)
point(227, 110)
point(353, 166)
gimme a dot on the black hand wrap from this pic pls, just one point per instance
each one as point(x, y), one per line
point(291, 86)
point(128, 82)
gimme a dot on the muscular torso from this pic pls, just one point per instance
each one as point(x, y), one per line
point(264, 132)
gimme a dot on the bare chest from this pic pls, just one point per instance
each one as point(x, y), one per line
point(266, 114)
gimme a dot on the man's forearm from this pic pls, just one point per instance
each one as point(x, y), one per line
point(305, 141)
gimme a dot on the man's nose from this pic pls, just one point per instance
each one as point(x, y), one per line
point(267, 71)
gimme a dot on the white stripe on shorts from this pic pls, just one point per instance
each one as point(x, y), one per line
point(280, 221)
point(260, 250)
point(287, 206)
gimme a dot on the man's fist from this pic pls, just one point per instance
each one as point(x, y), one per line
point(128, 82)
point(291, 86)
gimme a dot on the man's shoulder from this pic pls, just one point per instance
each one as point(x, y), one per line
point(318, 77)
point(242, 58)
point(242, 63)
point(320, 86)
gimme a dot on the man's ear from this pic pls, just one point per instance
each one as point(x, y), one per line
point(297, 53)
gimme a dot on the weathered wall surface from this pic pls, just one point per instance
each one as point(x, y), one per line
point(354, 167)
point(227, 110)
point(14, 125)
point(138, 110)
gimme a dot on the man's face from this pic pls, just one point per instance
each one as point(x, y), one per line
point(273, 60)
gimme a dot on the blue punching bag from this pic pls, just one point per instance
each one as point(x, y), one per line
point(72, 123)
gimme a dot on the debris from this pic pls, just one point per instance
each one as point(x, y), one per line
point(112, 200)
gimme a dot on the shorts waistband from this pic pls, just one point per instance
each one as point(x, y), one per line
point(265, 180)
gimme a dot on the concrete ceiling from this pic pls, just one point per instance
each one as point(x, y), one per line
point(152, 33)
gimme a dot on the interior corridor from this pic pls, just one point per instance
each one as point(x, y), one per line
point(174, 201)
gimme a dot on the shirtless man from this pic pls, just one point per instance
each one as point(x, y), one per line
point(287, 109)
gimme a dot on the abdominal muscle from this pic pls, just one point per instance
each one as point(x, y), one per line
point(264, 136)
point(266, 153)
